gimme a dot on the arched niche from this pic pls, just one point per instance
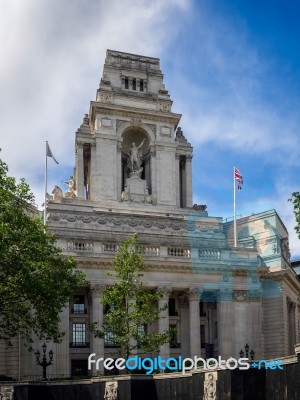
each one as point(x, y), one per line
point(134, 134)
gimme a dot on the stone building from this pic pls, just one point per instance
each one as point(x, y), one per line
point(133, 174)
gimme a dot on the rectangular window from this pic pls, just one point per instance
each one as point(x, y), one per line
point(110, 340)
point(202, 336)
point(141, 85)
point(126, 83)
point(172, 308)
point(79, 335)
point(78, 307)
point(133, 84)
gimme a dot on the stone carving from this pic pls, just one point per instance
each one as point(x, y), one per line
point(285, 249)
point(193, 293)
point(210, 386)
point(152, 127)
point(136, 121)
point(6, 392)
point(240, 295)
point(57, 193)
point(136, 157)
point(86, 120)
point(180, 136)
point(103, 219)
point(199, 207)
point(70, 193)
point(165, 291)
point(120, 122)
point(111, 391)
point(165, 107)
point(106, 98)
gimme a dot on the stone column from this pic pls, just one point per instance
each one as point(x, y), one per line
point(177, 158)
point(163, 322)
point(225, 323)
point(79, 170)
point(153, 172)
point(92, 172)
point(97, 344)
point(195, 339)
point(61, 364)
point(188, 181)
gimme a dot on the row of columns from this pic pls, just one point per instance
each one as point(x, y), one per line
point(97, 345)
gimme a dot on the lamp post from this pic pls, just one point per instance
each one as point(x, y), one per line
point(44, 363)
point(242, 353)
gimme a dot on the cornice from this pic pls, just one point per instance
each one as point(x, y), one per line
point(124, 111)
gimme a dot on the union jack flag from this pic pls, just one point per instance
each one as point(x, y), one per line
point(238, 177)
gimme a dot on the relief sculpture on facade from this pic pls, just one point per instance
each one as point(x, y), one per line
point(111, 391)
point(210, 386)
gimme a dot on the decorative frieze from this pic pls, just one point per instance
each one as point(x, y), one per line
point(118, 220)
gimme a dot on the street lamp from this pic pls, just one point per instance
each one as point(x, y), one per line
point(44, 363)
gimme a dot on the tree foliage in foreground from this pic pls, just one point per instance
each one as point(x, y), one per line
point(295, 199)
point(36, 281)
point(130, 305)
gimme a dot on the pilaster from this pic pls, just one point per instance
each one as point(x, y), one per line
point(195, 339)
point(163, 322)
point(97, 344)
point(79, 170)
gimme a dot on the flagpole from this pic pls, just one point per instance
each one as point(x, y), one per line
point(234, 208)
point(45, 199)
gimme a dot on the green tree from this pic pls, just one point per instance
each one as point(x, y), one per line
point(36, 281)
point(130, 306)
point(295, 199)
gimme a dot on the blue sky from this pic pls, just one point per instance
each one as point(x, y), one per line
point(232, 69)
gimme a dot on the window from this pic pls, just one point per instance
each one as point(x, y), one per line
point(172, 308)
point(79, 335)
point(110, 340)
point(126, 83)
point(142, 330)
point(78, 306)
point(133, 84)
point(141, 85)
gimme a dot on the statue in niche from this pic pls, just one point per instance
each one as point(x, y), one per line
point(135, 156)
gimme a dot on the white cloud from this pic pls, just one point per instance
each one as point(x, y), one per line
point(51, 64)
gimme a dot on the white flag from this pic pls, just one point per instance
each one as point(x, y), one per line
point(49, 152)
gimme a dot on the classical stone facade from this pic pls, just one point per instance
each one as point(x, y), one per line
point(133, 174)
